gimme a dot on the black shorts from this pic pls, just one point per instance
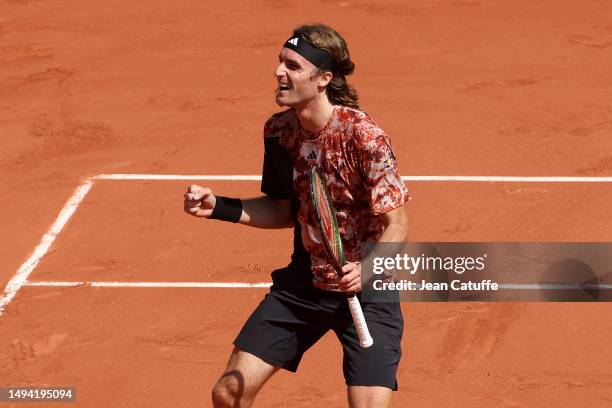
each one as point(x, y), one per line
point(288, 322)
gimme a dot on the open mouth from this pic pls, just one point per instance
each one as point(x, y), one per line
point(283, 87)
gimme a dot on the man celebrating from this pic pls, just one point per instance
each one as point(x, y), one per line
point(323, 128)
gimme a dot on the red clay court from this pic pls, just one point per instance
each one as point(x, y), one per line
point(109, 110)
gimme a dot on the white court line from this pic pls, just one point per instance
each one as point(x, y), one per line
point(511, 179)
point(513, 286)
point(21, 277)
point(154, 284)
point(477, 179)
point(176, 177)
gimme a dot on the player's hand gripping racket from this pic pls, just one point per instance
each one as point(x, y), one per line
point(326, 218)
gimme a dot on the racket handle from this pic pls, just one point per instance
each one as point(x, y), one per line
point(365, 339)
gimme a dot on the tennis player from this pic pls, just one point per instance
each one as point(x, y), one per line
point(322, 127)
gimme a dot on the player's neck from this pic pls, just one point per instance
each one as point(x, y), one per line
point(315, 114)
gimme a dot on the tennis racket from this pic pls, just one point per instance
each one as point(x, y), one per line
point(328, 225)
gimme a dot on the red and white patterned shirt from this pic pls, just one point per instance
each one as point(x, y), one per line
point(357, 160)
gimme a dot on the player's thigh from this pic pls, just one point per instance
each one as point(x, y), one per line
point(282, 328)
point(245, 374)
point(375, 366)
point(369, 397)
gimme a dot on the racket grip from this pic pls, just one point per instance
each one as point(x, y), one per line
point(365, 339)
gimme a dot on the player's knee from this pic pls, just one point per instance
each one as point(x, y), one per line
point(222, 396)
point(228, 392)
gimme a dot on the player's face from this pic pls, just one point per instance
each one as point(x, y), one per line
point(297, 79)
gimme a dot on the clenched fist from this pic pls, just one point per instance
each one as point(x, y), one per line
point(199, 201)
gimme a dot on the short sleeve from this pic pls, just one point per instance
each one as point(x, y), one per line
point(384, 185)
point(277, 171)
point(277, 174)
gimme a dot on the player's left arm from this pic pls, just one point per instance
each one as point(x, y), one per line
point(396, 225)
point(396, 230)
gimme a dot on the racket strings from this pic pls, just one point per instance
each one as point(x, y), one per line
point(323, 207)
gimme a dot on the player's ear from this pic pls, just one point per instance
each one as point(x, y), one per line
point(325, 78)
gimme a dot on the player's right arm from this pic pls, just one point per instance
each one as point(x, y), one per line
point(259, 212)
